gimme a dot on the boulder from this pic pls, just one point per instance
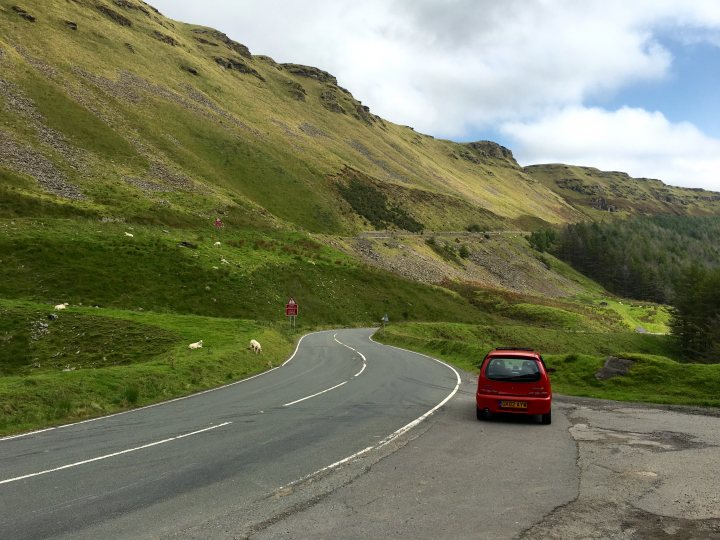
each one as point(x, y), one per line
point(614, 367)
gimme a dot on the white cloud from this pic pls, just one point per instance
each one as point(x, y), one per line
point(641, 143)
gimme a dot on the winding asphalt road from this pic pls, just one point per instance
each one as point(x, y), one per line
point(159, 470)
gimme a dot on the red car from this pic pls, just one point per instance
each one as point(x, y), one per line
point(516, 381)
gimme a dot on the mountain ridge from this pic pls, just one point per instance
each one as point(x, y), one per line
point(187, 123)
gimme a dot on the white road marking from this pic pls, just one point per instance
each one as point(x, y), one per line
point(308, 397)
point(29, 433)
point(114, 454)
point(354, 350)
point(361, 370)
point(395, 434)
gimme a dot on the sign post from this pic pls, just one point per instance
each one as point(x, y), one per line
point(291, 311)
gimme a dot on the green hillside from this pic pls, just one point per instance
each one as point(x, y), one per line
point(124, 135)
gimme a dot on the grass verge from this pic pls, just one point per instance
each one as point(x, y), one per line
point(150, 362)
point(654, 378)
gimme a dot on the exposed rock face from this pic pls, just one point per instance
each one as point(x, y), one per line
point(310, 72)
point(127, 4)
point(295, 89)
point(24, 14)
point(189, 69)
point(239, 48)
point(237, 65)
point(362, 112)
point(72, 25)
point(328, 99)
point(205, 41)
point(114, 15)
point(165, 38)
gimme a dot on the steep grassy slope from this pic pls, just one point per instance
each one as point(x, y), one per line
point(112, 101)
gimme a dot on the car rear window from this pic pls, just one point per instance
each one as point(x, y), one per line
point(512, 369)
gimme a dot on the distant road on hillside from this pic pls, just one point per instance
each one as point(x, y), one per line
point(160, 470)
point(448, 234)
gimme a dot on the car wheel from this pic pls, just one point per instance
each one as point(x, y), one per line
point(547, 418)
point(483, 414)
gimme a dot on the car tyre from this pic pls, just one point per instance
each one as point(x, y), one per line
point(547, 418)
point(482, 414)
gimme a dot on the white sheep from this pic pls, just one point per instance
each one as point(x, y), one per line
point(223, 261)
point(196, 345)
point(217, 244)
point(255, 346)
point(129, 234)
point(61, 306)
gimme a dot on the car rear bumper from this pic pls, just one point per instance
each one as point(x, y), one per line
point(493, 403)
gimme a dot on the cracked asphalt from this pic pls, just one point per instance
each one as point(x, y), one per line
point(602, 470)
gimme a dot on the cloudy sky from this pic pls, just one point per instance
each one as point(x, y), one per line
point(630, 85)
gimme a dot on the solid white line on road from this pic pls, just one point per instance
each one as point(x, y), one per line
point(361, 370)
point(392, 436)
point(107, 456)
point(415, 422)
point(308, 397)
point(354, 350)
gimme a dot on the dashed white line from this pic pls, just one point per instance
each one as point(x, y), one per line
point(159, 404)
point(114, 454)
point(308, 397)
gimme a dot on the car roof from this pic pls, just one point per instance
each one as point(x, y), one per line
point(514, 351)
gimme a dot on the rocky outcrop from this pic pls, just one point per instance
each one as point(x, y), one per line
point(487, 151)
point(310, 72)
point(189, 69)
point(165, 38)
point(295, 89)
point(128, 4)
point(239, 48)
point(328, 99)
point(204, 41)
point(237, 65)
point(24, 14)
point(72, 25)
point(114, 15)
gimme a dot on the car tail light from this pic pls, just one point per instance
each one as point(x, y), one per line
point(487, 389)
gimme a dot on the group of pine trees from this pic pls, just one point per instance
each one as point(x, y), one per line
point(667, 259)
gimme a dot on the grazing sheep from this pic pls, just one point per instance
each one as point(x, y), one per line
point(255, 346)
point(217, 244)
point(129, 234)
point(61, 306)
point(224, 261)
point(196, 345)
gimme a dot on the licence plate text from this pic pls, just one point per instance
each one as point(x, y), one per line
point(505, 404)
